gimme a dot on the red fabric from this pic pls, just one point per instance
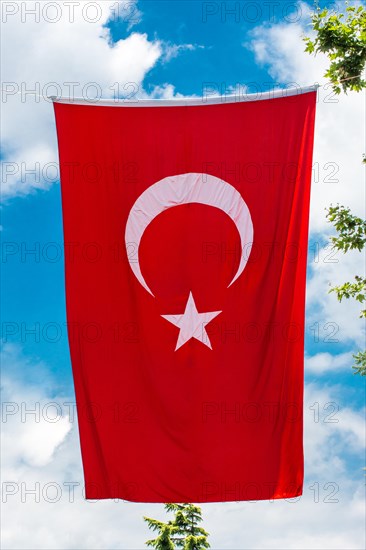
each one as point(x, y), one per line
point(192, 425)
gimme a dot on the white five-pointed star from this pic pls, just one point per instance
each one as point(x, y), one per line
point(192, 324)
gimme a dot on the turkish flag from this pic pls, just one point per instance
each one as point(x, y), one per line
point(186, 232)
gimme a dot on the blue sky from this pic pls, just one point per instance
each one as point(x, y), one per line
point(174, 48)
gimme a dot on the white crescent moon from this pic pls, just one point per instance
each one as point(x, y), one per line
point(184, 189)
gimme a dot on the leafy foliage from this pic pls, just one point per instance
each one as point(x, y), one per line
point(194, 543)
point(186, 521)
point(342, 37)
point(360, 363)
point(163, 541)
point(355, 290)
point(183, 531)
point(351, 229)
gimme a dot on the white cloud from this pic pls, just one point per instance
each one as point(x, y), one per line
point(332, 429)
point(173, 50)
point(323, 363)
point(162, 91)
point(41, 427)
point(76, 51)
point(342, 319)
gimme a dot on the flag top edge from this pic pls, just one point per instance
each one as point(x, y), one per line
point(188, 101)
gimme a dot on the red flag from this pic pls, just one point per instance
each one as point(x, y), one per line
point(186, 233)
